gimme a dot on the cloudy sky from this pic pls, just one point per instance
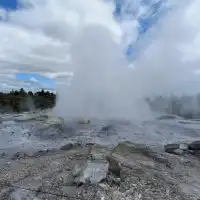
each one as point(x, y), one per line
point(43, 41)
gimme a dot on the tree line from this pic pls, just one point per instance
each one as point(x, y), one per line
point(185, 106)
point(21, 101)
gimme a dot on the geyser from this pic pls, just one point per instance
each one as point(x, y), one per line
point(101, 86)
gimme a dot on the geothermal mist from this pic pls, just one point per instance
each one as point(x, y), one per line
point(104, 86)
point(102, 82)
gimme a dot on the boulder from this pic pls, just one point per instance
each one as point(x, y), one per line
point(84, 121)
point(117, 162)
point(112, 180)
point(23, 194)
point(70, 146)
point(194, 145)
point(169, 148)
point(138, 153)
point(5, 193)
point(19, 155)
point(94, 172)
point(67, 147)
point(24, 118)
point(114, 166)
point(177, 149)
point(69, 191)
point(53, 131)
point(108, 130)
point(76, 170)
point(98, 152)
point(127, 148)
point(2, 155)
point(65, 178)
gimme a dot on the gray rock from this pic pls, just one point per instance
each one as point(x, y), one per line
point(127, 148)
point(69, 191)
point(108, 130)
point(53, 131)
point(84, 121)
point(114, 166)
point(55, 166)
point(65, 178)
point(70, 146)
point(116, 162)
point(40, 153)
point(67, 147)
point(5, 193)
point(19, 155)
point(183, 147)
point(20, 194)
point(5, 183)
point(178, 152)
point(177, 149)
point(76, 170)
point(3, 155)
point(113, 180)
point(94, 172)
point(171, 147)
point(97, 155)
point(194, 145)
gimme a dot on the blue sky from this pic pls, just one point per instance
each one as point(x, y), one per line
point(37, 80)
point(9, 4)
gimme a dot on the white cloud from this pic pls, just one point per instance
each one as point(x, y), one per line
point(54, 75)
point(33, 79)
point(43, 45)
point(3, 14)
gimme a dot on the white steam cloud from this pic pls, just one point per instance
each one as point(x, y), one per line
point(58, 38)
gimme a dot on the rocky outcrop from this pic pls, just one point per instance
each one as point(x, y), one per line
point(84, 172)
point(178, 149)
point(194, 145)
point(70, 146)
point(108, 130)
point(183, 148)
point(19, 155)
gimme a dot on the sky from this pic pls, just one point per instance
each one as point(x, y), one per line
point(41, 41)
point(9, 4)
point(29, 81)
point(48, 81)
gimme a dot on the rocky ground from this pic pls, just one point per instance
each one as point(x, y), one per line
point(76, 166)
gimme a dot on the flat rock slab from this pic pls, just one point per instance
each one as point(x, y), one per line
point(94, 172)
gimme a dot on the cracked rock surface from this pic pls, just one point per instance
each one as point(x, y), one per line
point(110, 160)
point(118, 174)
